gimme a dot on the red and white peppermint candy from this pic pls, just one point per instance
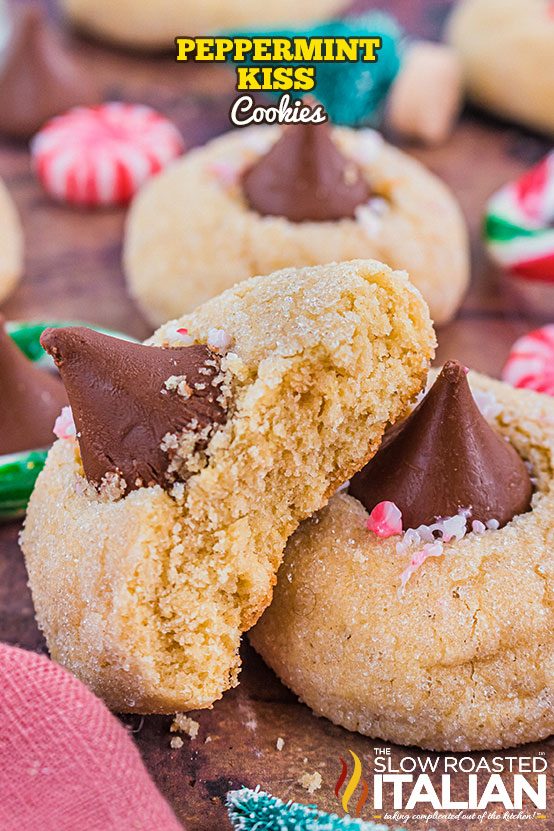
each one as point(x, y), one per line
point(102, 155)
point(530, 364)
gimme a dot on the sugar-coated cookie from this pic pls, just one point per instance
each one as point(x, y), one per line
point(145, 596)
point(141, 24)
point(11, 243)
point(444, 645)
point(193, 231)
point(507, 52)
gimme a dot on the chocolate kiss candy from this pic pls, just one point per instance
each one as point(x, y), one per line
point(444, 457)
point(38, 79)
point(122, 407)
point(305, 178)
point(31, 400)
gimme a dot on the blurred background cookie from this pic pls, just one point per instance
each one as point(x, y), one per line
point(141, 24)
point(507, 53)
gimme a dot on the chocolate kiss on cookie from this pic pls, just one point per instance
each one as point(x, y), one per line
point(38, 79)
point(305, 178)
point(32, 399)
point(445, 457)
point(127, 399)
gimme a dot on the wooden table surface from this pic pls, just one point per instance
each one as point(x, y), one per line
point(73, 271)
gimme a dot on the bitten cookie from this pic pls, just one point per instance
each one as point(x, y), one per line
point(141, 24)
point(11, 244)
point(152, 543)
point(444, 637)
point(507, 53)
point(263, 198)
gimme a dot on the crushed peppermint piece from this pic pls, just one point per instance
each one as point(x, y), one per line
point(218, 340)
point(64, 428)
point(184, 336)
point(487, 403)
point(257, 142)
point(429, 540)
point(280, 743)
point(445, 530)
point(430, 550)
point(367, 146)
point(385, 520)
point(410, 538)
point(178, 384)
point(378, 205)
point(227, 174)
point(176, 335)
point(369, 220)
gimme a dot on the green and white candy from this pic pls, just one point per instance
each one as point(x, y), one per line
point(519, 224)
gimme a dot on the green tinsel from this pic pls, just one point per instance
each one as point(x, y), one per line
point(352, 93)
point(255, 810)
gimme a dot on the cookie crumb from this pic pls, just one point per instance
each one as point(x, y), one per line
point(178, 384)
point(176, 742)
point(280, 743)
point(112, 487)
point(207, 739)
point(311, 782)
point(183, 724)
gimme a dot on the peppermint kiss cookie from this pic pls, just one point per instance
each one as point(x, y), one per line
point(152, 539)
point(418, 606)
point(141, 24)
point(263, 198)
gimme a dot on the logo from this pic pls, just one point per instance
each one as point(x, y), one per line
point(282, 65)
point(443, 787)
point(352, 784)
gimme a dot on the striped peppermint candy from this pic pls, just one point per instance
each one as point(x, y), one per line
point(519, 225)
point(530, 363)
point(102, 155)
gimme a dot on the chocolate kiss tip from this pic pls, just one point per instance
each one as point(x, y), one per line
point(32, 398)
point(122, 407)
point(305, 178)
point(446, 457)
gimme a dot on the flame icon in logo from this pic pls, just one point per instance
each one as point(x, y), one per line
point(352, 784)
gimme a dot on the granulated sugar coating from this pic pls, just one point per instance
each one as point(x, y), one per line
point(463, 658)
point(145, 597)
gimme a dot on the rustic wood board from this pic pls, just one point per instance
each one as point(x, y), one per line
point(73, 271)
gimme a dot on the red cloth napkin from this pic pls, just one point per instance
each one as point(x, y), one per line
point(66, 763)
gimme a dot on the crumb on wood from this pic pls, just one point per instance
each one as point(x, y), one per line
point(183, 724)
point(311, 782)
